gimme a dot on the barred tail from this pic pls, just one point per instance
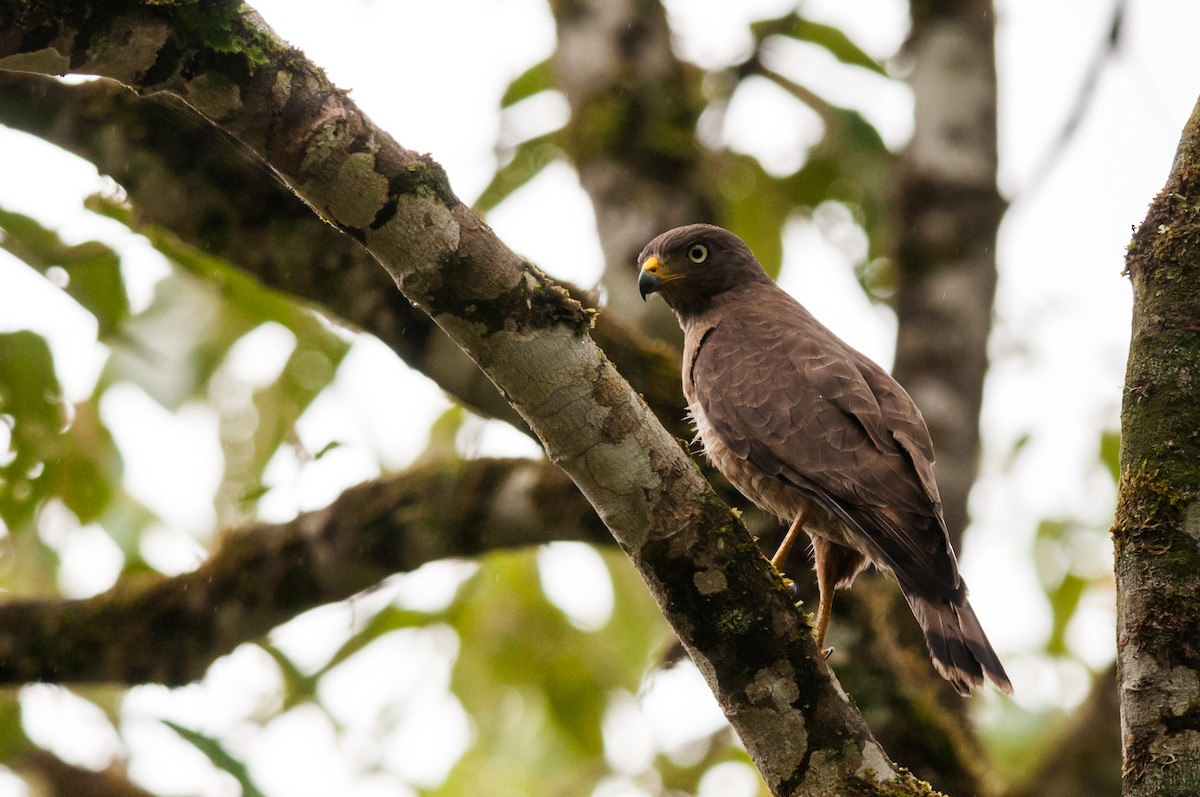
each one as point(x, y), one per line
point(960, 650)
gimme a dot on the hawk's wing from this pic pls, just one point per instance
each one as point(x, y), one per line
point(785, 394)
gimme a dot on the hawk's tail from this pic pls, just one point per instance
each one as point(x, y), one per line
point(959, 648)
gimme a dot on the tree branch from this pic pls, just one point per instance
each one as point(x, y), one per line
point(184, 175)
point(727, 604)
point(1156, 533)
point(170, 630)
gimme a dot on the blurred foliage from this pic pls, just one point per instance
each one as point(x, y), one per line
point(173, 350)
point(537, 687)
point(848, 165)
point(1071, 556)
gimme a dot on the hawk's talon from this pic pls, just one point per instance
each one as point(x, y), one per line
point(826, 653)
point(793, 590)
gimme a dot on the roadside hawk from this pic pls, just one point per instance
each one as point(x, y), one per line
point(818, 435)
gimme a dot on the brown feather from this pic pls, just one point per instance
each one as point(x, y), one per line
point(797, 419)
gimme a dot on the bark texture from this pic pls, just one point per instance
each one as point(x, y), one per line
point(1156, 533)
point(726, 603)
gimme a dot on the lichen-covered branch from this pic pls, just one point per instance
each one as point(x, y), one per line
point(1156, 533)
point(170, 630)
point(184, 175)
point(727, 604)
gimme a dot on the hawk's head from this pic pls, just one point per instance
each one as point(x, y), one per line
point(691, 265)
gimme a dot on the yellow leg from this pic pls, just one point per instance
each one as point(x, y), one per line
point(825, 588)
point(789, 540)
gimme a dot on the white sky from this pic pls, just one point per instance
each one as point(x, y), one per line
point(432, 74)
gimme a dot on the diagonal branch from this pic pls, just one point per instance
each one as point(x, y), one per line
point(728, 606)
point(184, 175)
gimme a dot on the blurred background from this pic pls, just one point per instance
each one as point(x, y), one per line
point(157, 401)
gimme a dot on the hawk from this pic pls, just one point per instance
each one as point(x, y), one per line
point(819, 436)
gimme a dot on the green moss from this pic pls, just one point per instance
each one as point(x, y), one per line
point(1149, 507)
point(735, 621)
point(905, 784)
point(220, 27)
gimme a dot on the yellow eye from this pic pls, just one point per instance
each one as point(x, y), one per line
point(697, 253)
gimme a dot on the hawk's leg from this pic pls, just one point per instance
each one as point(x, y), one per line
point(824, 561)
point(836, 566)
point(789, 540)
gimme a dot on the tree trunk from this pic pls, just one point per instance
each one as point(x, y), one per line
point(1156, 534)
point(634, 108)
point(947, 212)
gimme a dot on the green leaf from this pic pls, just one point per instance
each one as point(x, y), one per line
point(443, 435)
point(756, 206)
point(32, 407)
point(534, 80)
point(1064, 601)
point(832, 39)
point(527, 161)
point(332, 445)
point(92, 271)
point(13, 742)
point(87, 471)
point(219, 757)
point(297, 687)
point(391, 618)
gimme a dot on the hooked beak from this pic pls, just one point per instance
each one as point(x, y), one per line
point(650, 280)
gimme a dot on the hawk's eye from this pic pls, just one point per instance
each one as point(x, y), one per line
point(697, 253)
